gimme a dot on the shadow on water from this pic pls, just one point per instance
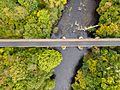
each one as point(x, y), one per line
point(96, 16)
point(78, 66)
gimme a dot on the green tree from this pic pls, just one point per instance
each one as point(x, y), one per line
point(49, 59)
point(109, 21)
point(20, 68)
point(112, 15)
point(110, 31)
point(11, 19)
point(30, 5)
point(38, 25)
point(100, 71)
point(29, 18)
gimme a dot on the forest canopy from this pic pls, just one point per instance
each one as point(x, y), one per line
point(101, 66)
point(29, 18)
point(109, 21)
point(100, 71)
point(28, 68)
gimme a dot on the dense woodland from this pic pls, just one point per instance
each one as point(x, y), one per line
point(28, 68)
point(29, 18)
point(33, 68)
point(101, 66)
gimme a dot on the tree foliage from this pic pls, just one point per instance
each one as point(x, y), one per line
point(30, 5)
point(28, 68)
point(11, 19)
point(101, 67)
point(100, 71)
point(29, 18)
point(109, 11)
point(110, 31)
point(48, 60)
point(25, 69)
point(111, 15)
point(39, 27)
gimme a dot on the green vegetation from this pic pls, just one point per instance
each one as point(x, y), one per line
point(101, 66)
point(27, 68)
point(29, 18)
point(110, 31)
point(109, 21)
point(109, 11)
point(100, 71)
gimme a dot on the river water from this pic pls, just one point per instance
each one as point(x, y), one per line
point(77, 14)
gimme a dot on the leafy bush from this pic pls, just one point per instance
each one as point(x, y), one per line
point(29, 18)
point(25, 69)
point(100, 71)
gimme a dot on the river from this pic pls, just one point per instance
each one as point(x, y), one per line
point(77, 13)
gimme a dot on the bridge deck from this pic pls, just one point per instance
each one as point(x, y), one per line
point(59, 42)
